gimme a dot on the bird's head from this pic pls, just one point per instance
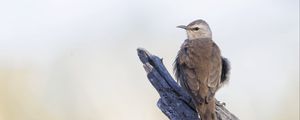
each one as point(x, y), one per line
point(197, 29)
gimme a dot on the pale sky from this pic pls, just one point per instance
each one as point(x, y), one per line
point(76, 60)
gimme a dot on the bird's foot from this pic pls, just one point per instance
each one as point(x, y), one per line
point(219, 103)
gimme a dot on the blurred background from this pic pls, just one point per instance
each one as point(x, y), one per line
point(76, 59)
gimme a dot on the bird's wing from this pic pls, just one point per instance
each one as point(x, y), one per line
point(215, 67)
point(187, 77)
point(184, 69)
point(191, 68)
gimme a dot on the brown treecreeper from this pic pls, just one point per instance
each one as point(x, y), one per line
point(200, 68)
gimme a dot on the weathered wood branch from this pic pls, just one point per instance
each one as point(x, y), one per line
point(175, 103)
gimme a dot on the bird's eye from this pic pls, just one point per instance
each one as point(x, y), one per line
point(195, 28)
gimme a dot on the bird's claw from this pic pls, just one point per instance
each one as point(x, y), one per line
point(219, 103)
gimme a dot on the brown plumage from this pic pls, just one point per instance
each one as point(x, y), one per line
point(198, 68)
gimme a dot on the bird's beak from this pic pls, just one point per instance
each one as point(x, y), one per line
point(182, 26)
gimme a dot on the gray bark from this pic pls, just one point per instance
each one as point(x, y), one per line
point(174, 102)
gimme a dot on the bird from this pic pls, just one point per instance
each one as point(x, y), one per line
point(200, 69)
